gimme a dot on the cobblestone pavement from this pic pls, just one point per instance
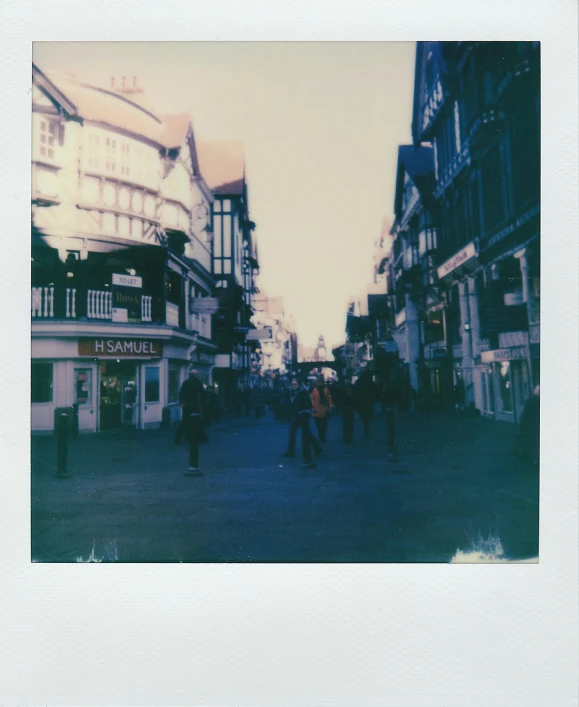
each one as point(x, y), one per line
point(455, 486)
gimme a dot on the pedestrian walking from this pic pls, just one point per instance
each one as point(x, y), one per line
point(365, 397)
point(191, 425)
point(321, 406)
point(300, 410)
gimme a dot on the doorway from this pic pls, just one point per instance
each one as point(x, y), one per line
point(118, 395)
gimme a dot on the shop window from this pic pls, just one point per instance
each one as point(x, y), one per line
point(83, 386)
point(152, 388)
point(173, 392)
point(41, 382)
point(505, 387)
point(434, 330)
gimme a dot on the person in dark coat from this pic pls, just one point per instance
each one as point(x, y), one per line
point(530, 427)
point(300, 411)
point(191, 425)
point(365, 396)
point(191, 401)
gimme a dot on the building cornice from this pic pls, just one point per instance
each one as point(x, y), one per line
point(75, 328)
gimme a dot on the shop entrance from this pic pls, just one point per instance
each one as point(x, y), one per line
point(118, 394)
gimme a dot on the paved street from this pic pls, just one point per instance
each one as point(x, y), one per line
point(456, 482)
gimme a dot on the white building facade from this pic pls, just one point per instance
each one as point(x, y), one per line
point(121, 257)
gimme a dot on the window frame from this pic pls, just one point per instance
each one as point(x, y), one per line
point(157, 381)
point(34, 384)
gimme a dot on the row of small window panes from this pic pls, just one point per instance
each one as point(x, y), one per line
point(47, 138)
point(94, 157)
point(220, 269)
point(221, 205)
point(221, 283)
point(121, 225)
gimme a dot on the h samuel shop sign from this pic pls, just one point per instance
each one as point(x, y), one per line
point(119, 348)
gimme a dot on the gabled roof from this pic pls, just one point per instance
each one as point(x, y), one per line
point(418, 163)
point(222, 166)
point(175, 129)
point(103, 105)
point(59, 100)
point(439, 54)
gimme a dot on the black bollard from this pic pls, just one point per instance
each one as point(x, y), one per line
point(62, 446)
point(391, 423)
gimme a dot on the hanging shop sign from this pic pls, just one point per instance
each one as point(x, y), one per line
point(204, 305)
point(126, 293)
point(263, 334)
point(514, 354)
point(120, 348)
point(467, 253)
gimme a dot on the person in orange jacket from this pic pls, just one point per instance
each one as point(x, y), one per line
point(321, 405)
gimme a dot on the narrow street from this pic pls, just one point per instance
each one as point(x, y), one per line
point(456, 486)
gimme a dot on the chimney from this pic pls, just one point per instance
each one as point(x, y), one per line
point(135, 83)
point(124, 82)
point(113, 82)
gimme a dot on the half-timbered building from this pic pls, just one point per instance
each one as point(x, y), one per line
point(234, 265)
point(121, 256)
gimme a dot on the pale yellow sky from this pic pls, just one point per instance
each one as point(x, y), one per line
point(320, 122)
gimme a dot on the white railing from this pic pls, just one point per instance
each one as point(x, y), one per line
point(172, 314)
point(146, 308)
point(99, 304)
point(42, 304)
point(70, 312)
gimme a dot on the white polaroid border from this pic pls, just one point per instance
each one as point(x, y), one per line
point(427, 635)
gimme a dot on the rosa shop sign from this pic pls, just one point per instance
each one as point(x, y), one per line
point(516, 353)
point(120, 348)
point(457, 260)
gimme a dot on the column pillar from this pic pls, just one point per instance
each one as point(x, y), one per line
point(466, 334)
point(521, 256)
point(413, 337)
point(475, 340)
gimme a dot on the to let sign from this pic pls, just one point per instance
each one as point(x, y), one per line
point(120, 348)
point(126, 298)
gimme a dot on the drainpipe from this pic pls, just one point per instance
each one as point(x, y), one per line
point(475, 337)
